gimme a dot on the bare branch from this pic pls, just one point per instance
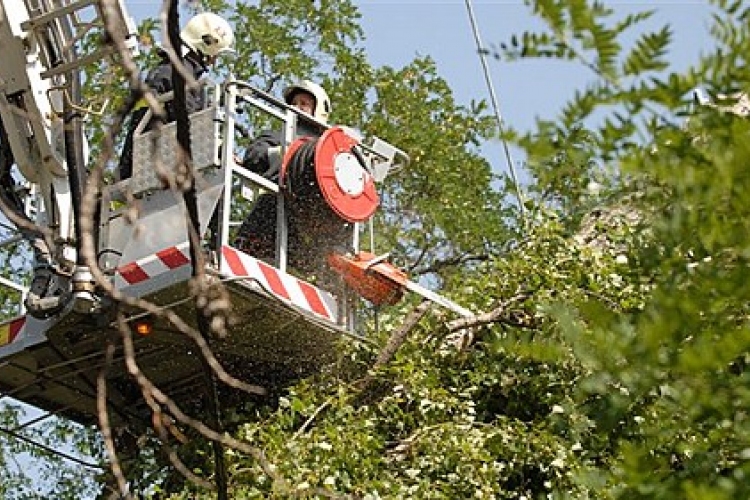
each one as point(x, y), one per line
point(312, 418)
point(154, 395)
point(397, 338)
point(438, 265)
point(105, 428)
point(161, 422)
point(462, 333)
point(498, 314)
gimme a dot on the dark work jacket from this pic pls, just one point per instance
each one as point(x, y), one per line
point(159, 79)
point(256, 156)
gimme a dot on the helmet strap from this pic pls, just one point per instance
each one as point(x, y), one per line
point(199, 57)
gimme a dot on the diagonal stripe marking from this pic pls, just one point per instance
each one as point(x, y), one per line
point(15, 327)
point(9, 331)
point(133, 273)
point(273, 280)
point(172, 257)
point(234, 262)
point(311, 294)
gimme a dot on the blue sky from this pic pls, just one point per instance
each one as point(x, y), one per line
point(397, 31)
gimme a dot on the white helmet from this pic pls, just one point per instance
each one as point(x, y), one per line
point(208, 34)
point(322, 102)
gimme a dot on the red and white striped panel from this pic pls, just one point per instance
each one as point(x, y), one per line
point(9, 331)
point(155, 271)
point(22, 332)
point(282, 285)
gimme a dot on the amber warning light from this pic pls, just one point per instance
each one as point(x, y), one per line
point(143, 328)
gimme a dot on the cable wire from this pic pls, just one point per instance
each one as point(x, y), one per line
point(50, 450)
point(495, 105)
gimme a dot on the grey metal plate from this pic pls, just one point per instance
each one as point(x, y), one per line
point(155, 152)
point(269, 344)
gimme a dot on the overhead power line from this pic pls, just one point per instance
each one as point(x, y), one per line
point(494, 103)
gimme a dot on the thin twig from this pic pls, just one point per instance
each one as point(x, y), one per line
point(311, 419)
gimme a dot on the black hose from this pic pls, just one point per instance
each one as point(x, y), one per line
point(74, 157)
point(7, 184)
point(73, 134)
point(315, 229)
point(300, 172)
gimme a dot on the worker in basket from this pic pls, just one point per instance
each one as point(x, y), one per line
point(205, 37)
point(313, 227)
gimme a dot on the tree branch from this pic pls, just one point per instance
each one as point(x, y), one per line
point(494, 316)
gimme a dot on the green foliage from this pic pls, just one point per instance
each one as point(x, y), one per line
point(434, 431)
point(648, 53)
point(616, 361)
point(620, 369)
point(665, 377)
point(295, 39)
point(443, 207)
point(30, 471)
point(692, 338)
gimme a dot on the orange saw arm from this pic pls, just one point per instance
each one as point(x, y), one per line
point(380, 282)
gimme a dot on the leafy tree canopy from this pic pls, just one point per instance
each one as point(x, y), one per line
point(611, 358)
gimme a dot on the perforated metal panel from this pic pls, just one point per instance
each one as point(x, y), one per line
point(155, 158)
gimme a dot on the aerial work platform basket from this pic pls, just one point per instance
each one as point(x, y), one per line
point(282, 324)
point(281, 329)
